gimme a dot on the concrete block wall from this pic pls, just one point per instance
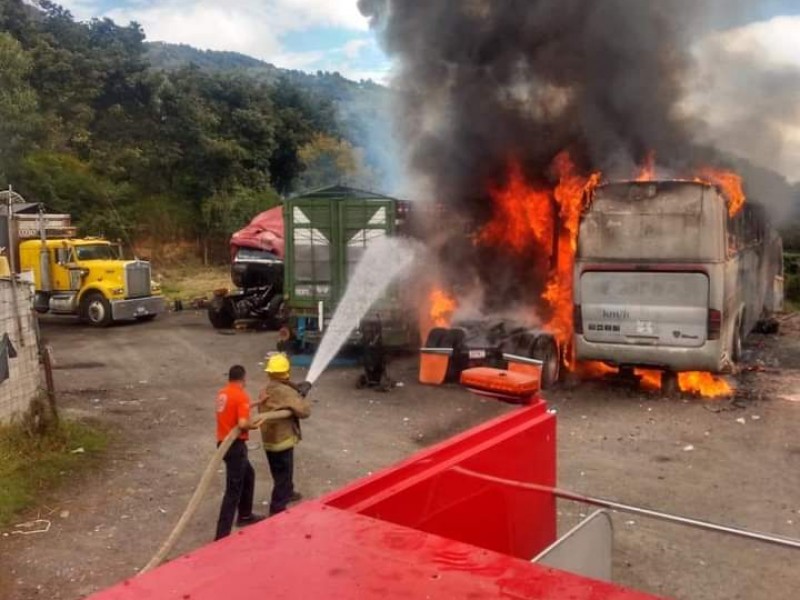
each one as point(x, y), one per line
point(25, 374)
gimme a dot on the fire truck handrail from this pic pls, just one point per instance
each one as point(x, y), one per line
point(767, 538)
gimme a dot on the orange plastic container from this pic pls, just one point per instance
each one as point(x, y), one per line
point(433, 367)
point(501, 383)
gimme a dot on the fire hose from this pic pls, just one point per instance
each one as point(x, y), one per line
point(202, 487)
point(768, 538)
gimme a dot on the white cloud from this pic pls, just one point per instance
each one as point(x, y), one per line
point(80, 9)
point(776, 40)
point(747, 91)
point(253, 27)
point(354, 47)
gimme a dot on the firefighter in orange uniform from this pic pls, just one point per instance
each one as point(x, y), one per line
point(233, 409)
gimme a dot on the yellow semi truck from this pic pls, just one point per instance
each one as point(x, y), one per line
point(84, 276)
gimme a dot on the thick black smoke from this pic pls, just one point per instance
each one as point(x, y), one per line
point(484, 81)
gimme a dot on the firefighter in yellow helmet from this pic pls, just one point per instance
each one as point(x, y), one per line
point(280, 437)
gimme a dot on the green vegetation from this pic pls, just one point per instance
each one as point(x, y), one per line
point(162, 142)
point(192, 281)
point(31, 466)
point(791, 285)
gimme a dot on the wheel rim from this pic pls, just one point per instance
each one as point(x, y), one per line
point(551, 364)
point(737, 343)
point(97, 311)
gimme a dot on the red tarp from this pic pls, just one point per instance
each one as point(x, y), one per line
point(264, 232)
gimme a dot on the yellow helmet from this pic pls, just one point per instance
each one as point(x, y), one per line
point(278, 364)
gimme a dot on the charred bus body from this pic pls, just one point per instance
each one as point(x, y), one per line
point(665, 278)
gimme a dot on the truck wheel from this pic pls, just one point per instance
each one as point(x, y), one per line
point(95, 309)
point(545, 349)
point(436, 338)
point(440, 337)
point(219, 313)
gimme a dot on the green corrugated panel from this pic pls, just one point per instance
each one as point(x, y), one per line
point(326, 232)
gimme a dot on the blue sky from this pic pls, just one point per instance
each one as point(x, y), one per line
point(329, 35)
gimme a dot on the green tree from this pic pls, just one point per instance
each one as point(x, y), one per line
point(18, 106)
point(330, 161)
point(223, 213)
point(68, 185)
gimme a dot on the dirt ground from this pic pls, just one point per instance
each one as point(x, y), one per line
point(152, 385)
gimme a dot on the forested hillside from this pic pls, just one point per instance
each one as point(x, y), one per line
point(182, 151)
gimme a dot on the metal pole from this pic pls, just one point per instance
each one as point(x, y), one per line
point(13, 267)
point(767, 538)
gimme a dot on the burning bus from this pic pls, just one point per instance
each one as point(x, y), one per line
point(672, 275)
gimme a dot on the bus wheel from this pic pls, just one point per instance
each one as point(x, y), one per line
point(736, 344)
point(545, 349)
point(669, 384)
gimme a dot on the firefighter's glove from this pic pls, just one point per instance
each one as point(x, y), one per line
point(304, 388)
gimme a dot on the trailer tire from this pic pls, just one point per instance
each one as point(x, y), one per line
point(220, 314)
point(768, 326)
point(437, 337)
point(545, 349)
point(95, 310)
point(452, 339)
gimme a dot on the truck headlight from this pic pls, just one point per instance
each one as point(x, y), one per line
point(154, 287)
point(118, 291)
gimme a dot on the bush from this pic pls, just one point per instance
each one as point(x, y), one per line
point(792, 288)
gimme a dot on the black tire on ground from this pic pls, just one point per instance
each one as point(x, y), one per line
point(545, 349)
point(146, 318)
point(275, 311)
point(95, 310)
point(524, 344)
point(454, 339)
point(768, 326)
point(437, 338)
point(220, 314)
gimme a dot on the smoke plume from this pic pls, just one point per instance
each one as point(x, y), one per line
point(481, 82)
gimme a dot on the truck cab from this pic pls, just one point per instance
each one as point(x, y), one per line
point(86, 277)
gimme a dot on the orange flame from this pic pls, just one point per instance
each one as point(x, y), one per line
point(437, 311)
point(731, 184)
point(590, 369)
point(647, 172)
point(442, 308)
point(649, 380)
point(697, 383)
point(570, 193)
point(531, 220)
point(703, 384)
point(522, 215)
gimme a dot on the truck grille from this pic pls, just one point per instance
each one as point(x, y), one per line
point(137, 279)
